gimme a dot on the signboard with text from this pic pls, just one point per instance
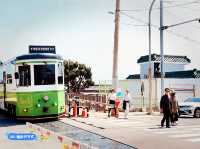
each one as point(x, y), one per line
point(42, 49)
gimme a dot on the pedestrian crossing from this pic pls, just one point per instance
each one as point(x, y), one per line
point(133, 121)
point(186, 130)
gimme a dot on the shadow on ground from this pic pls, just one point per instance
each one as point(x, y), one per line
point(6, 120)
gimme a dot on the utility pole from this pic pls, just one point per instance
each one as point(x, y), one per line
point(115, 51)
point(150, 69)
point(161, 47)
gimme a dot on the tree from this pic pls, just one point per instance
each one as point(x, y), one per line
point(77, 76)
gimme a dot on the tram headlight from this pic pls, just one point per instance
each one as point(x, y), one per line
point(38, 105)
point(55, 104)
point(46, 98)
point(25, 110)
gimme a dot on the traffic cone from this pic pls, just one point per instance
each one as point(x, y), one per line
point(84, 113)
point(74, 112)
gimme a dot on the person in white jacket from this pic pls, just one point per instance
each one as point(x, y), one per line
point(126, 103)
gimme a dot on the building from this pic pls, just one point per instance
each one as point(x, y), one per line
point(174, 67)
point(171, 63)
point(186, 83)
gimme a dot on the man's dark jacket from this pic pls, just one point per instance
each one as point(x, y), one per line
point(165, 103)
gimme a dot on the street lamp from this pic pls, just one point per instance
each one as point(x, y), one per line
point(150, 69)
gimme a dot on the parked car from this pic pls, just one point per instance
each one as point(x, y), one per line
point(190, 106)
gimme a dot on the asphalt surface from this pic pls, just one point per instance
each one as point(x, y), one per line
point(143, 131)
point(9, 125)
point(139, 130)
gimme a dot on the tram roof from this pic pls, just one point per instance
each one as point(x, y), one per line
point(38, 56)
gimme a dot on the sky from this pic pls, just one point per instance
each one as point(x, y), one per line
point(83, 30)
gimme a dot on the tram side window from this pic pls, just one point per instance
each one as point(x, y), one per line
point(44, 74)
point(9, 79)
point(24, 75)
point(60, 73)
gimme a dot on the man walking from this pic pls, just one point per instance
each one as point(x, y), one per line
point(165, 108)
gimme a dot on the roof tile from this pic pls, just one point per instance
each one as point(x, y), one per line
point(167, 58)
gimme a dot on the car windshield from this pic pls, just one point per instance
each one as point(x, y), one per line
point(192, 100)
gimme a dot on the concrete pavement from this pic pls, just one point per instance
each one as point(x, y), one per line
point(142, 131)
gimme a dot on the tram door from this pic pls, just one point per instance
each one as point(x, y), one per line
point(4, 88)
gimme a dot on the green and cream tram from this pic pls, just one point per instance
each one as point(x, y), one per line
point(32, 85)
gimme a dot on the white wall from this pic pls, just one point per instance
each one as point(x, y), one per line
point(181, 86)
point(134, 86)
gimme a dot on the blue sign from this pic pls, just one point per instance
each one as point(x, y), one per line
point(22, 136)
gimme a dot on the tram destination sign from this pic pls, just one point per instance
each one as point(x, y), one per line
point(42, 49)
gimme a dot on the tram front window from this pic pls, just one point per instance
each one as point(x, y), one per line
point(44, 74)
point(60, 73)
point(24, 75)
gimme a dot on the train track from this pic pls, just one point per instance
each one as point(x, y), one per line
point(83, 136)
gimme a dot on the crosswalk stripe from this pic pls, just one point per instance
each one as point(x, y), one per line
point(115, 122)
point(144, 122)
point(184, 135)
point(172, 132)
point(187, 126)
point(194, 140)
point(195, 129)
point(122, 124)
point(184, 131)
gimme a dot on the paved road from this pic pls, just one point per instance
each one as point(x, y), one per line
point(140, 130)
point(143, 131)
point(13, 126)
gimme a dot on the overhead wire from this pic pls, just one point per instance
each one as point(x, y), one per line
point(174, 15)
point(157, 8)
point(168, 31)
point(132, 17)
point(135, 25)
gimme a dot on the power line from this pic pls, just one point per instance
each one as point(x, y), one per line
point(135, 25)
point(173, 6)
point(134, 18)
point(183, 37)
point(179, 17)
point(168, 31)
